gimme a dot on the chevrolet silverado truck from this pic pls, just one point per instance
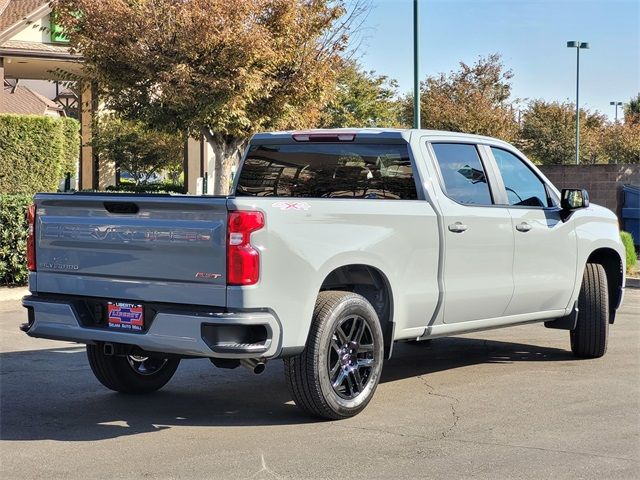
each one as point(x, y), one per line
point(333, 245)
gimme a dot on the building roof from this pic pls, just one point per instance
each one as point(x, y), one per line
point(16, 16)
point(45, 50)
point(3, 5)
point(13, 12)
point(23, 100)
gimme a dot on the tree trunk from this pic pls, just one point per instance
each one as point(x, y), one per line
point(227, 152)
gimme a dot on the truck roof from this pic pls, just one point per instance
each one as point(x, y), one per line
point(367, 134)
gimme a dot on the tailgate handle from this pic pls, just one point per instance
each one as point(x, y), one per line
point(121, 207)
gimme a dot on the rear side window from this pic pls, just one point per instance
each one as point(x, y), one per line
point(328, 170)
point(462, 172)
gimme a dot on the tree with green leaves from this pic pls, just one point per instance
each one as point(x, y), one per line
point(632, 110)
point(221, 68)
point(362, 99)
point(548, 132)
point(473, 99)
point(621, 142)
point(137, 149)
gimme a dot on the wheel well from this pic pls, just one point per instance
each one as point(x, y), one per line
point(612, 264)
point(373, 285)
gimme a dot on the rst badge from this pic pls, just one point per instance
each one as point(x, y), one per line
point(291, 205)
point(208, 275)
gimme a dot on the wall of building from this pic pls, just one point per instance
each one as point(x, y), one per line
point(603, 182)
point(201, 160)
point(38, 31)
point(194, 166)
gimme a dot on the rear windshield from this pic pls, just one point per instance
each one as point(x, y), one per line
point(328, 170)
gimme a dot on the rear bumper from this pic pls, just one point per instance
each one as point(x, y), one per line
point(175, 332)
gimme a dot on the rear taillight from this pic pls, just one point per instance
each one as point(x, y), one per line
point(31, 238)
point(243, 261)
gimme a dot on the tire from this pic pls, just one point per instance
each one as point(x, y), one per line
point(337, 374)
point(589, 339)
point(131, 374)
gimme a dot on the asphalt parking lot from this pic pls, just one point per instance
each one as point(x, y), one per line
point(509, 403)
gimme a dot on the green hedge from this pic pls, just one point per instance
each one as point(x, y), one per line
point(36, 151)
point(71, 146)
point(13, 238)
point(630, 249)
point(158, 187)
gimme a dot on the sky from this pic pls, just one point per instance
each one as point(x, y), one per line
point(531, 36)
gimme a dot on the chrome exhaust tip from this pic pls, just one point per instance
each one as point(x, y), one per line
point(253, 364)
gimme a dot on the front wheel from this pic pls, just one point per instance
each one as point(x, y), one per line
point(337, 373)
point(589, 339)
point(131, 373)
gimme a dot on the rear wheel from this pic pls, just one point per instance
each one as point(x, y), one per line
point(589, 339)
point(132, 373)
point(337, 373)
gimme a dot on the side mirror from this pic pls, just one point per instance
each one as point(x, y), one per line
point(574, 198)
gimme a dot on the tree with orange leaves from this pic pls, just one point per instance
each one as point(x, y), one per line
point(223, 68)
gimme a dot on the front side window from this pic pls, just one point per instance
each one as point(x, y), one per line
point(328, 170)
point(524, 188)
point(462, 172)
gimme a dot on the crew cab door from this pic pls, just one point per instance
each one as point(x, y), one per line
point(545, 250)
point(477, 237)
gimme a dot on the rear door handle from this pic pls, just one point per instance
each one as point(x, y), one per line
point(457, 227)
point(523, 227)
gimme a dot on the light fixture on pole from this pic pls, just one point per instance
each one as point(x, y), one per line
point(578, 46)
point(617, 104)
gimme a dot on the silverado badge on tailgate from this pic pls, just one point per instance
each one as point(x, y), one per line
point(125, 316)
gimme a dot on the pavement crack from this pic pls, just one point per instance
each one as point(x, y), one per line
point(453, 402)
point(543, 449)
point(395, 434)
point(265, 472)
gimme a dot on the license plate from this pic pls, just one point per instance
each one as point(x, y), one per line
point(125, 316)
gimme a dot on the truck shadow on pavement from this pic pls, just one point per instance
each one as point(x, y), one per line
point(52, 394)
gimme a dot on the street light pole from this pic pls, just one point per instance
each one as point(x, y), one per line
point(416, 66)
point(577, 46)
point(617, 104)
point(578, 106)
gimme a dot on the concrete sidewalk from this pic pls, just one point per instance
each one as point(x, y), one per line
point(12, 293)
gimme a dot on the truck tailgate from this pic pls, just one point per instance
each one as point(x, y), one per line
point(132, 247)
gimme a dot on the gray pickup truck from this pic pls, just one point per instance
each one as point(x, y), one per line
point(333, 245)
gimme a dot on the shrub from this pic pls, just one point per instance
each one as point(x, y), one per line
point(13, 238)
point(71, 146)
point(35, 152)
point(630, 249)
point(159, 187)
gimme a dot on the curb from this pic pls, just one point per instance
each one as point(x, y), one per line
point(632, 283)
point(12, 293)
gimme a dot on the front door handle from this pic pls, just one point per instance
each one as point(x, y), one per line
point(523, 227)
point(457, 227)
